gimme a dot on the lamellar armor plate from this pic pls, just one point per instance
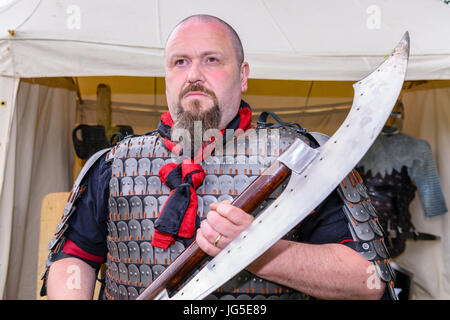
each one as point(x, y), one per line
point(136, 196)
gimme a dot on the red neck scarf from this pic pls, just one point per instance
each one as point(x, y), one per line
point(178, 215)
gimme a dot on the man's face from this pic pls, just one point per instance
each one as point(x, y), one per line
point(202, 71)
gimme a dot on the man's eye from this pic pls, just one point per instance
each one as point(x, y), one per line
point(212, 60)
point(180, 62)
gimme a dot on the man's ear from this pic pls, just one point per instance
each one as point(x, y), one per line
point(245, 71)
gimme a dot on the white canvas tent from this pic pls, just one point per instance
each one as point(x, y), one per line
point(289, 42)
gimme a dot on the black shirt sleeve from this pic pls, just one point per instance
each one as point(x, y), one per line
point(328, 223)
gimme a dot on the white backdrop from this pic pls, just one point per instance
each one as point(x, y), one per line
point(283, 39)
point(40, 161)
point(428, 117)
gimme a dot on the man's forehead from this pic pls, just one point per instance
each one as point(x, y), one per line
point(197, 29)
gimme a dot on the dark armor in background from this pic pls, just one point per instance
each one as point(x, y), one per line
point(394, 168)
point(391, 197)
point(88, 139)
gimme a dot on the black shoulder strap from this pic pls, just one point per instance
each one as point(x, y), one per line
point(262, 124)
point(88, 165)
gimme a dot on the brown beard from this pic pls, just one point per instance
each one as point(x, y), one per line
point(186, 119)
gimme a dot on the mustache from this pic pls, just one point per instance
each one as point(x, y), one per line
point(197, 87)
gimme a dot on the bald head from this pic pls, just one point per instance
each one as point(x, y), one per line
point(204, 18)
point(205, 68)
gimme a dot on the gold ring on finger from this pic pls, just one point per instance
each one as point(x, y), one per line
point(217, 240)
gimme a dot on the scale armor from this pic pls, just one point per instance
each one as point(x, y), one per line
point(137, 195)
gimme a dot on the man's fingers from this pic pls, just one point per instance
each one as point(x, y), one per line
point(206, 245)
point(211, 234)
point(222, 224)
point(232, 213)
point(223, 201)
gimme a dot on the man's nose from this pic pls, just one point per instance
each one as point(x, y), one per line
point(195, 73)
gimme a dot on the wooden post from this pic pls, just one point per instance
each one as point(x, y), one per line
point(104, 108)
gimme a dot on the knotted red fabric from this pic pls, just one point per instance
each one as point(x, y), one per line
point(178, 215)
point(182, 202)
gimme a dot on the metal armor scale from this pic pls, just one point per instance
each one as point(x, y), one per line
point(137, 195)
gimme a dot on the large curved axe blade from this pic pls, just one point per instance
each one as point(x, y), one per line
point(314, 179)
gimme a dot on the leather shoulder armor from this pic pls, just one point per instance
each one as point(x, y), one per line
point(56, 243)
point(368, 234)
point(73, 196)
point(364, 225)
